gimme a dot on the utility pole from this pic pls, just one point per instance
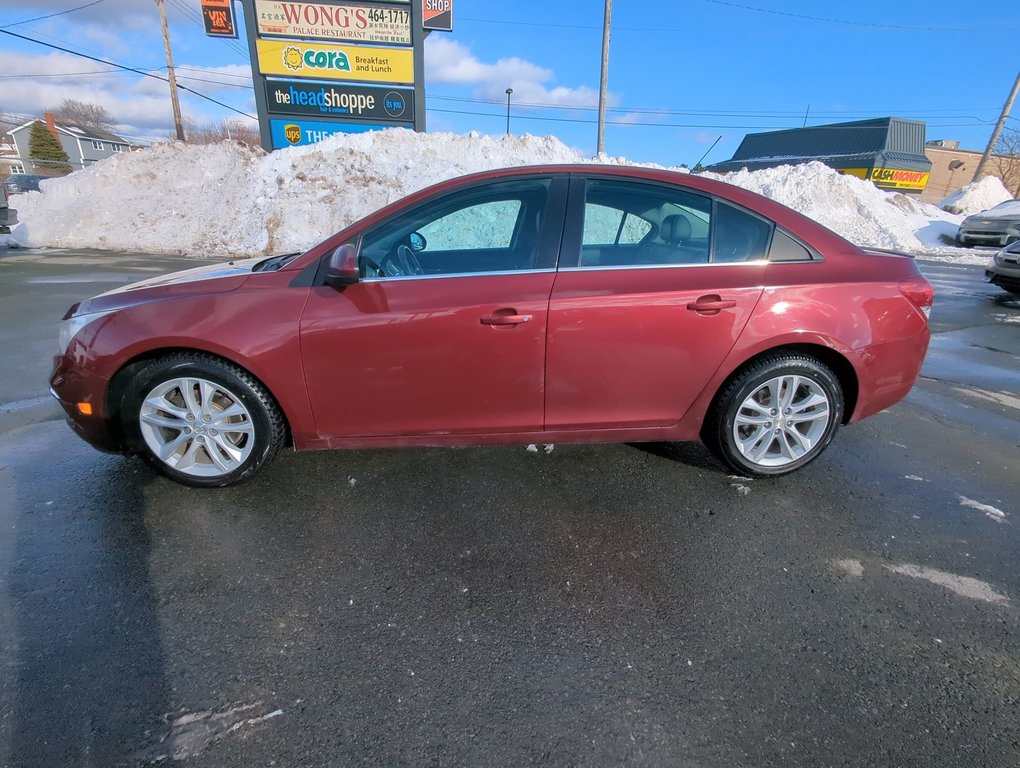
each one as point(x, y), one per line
point(178, 123)
point(601, 145)
point(998, 128)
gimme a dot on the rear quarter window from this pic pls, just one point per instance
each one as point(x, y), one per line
point(785, 248)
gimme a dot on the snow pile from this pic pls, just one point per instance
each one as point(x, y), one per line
point(856, 209)
point(227, 199)
point(977, 196)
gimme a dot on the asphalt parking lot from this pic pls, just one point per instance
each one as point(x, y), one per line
point(593, 605)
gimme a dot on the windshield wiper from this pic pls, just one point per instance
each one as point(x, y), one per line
point(274, 263)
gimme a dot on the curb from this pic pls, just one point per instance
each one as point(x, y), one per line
point(34, 410)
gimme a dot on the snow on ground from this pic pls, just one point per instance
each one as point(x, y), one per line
point(977, 196)
point(227, 199)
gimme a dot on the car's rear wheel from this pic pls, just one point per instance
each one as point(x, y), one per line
point(775, 415)
point(202, 421)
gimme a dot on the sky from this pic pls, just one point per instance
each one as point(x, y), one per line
point(682, 73)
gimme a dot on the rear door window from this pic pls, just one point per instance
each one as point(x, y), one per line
point(639, 224)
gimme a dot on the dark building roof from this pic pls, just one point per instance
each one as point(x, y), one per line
point(882, 142)
point(81, 131)
point(88, 132)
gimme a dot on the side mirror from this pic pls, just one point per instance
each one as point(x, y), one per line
point(343, 267)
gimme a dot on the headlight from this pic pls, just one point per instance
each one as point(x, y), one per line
point(72, 325)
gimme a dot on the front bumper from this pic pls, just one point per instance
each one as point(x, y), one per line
point(1008, 279)
point(76, 390)
point(1000, 236)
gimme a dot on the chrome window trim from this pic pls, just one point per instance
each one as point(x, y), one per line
point(617, 268)
point(401, 278)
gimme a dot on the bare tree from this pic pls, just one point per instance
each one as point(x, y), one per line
point(244, 132)
point(84, 113)
point(1005, 163)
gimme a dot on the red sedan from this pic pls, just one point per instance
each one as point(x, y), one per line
point(528, 305)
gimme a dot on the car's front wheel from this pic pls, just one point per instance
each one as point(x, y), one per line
point(201, 421)
point(775, 416)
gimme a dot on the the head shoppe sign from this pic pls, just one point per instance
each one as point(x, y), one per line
point(335, 66)
point(290, 97)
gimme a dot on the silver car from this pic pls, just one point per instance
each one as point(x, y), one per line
point(996, 226)
point(1004, 271)
point(8, 216)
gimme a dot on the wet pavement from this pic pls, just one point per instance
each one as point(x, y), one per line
point(595, 605)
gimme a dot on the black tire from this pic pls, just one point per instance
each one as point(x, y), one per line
point(819, 422)
point(256, 433)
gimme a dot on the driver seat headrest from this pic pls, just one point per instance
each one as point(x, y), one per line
point(675, 229)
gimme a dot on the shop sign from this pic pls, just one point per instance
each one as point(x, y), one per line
point(286, 97)
point(349, 22)
point(295, 133)
point(437, 14)
point(218, 16)
point(323, 61)
point(891, 178)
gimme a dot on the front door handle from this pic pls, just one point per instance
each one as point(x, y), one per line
point(505, 317)
point(711, 304)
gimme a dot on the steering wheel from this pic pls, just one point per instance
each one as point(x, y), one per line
point(408, 262)
point(371, 264)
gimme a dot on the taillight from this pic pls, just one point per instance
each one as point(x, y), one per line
point(920, 293)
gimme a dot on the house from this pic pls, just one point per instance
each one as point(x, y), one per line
point(10, 161)
point(83, 145)
point(889, 151)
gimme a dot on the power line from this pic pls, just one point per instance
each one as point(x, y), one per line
point(804, 17)
point(58, 74)
point(51, 15)
point(725, 113)
point(651, 125)
point(127, 68)
point(846, 22)
point(214, 82)
point(863, 114)
point(193, 16)
point(215, 71)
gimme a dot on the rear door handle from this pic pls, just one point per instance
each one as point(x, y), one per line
point(505, 317)
point(711, 304)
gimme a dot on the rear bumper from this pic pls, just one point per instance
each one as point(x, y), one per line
point(888, 371)
point(8, 217)
point(74, 387)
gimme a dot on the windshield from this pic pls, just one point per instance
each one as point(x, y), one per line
point(1010, 207)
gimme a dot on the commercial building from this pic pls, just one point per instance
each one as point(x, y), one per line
point(953, 168)
point(889, 151)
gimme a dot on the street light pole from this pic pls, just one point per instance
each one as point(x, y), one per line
point(508, 92)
